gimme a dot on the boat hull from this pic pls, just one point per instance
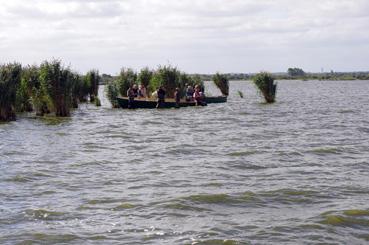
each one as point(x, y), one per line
point(170, 103)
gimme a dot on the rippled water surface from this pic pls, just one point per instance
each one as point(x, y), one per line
point(295, 172)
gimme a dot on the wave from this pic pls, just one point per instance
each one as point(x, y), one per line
point(244, 153)
point(347, 218)
point(49, 238)
point(218, 242)
point(264, 198)
point(124, 206)
point(326, 150)
point(43, 214)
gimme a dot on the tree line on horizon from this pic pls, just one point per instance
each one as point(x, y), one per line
point(290, 74)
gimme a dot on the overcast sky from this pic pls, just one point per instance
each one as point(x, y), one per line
point(201, 36)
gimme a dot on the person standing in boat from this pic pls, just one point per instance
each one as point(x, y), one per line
point(142, 92)
point(177, 96)
point(131, 97)
point(135, 90)
point(189, 93)
point(197, 96)
point(161, 97)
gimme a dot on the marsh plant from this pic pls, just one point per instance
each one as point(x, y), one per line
point(265, 83)
point(111, 91)
point(222, 82)
point(92, 81)
point(56, 80)
point(166, 76)
point(144, 77)
point(10, 78)
point(126, 78)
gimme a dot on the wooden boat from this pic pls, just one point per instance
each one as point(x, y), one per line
point(169, 103)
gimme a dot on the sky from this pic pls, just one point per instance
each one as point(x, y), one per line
point(197, 36)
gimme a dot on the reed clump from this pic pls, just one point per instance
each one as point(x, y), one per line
point(144, 77)
point(10, 78)
point(47, 88)
point(92, 82)
point(166, 76)
point(127, 77)
point(264, 81)
point(222, 82)
point(112, 92)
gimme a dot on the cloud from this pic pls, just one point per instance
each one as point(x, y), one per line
point(197, 35)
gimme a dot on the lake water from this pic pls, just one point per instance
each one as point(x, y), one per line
point(295, 172)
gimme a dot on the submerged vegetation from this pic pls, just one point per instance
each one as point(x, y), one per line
point(265, 83)
point(44, 89)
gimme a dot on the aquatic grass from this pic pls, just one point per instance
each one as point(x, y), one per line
point(97, 102)
point(265, 83)
point(77, 90)
point(111, 91)
point(126, 78)
point(145, 76)
point(222, 82)
point(56, 80)
point(10, 78)
point(185, 79)
point(93, 79)
point(166, 76)
point(240, 94)
point(23, 97)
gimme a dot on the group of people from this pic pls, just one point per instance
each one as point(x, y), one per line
point(193, 94)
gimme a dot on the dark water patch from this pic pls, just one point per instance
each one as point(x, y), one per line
point(292, 196)
point(354, 218)
point(247, 166)
point(338, 220)
point(218, 242)
point(356, 212)
point(55, 121)
point(326, 151)
point(244, 153)
point(185, 207)
point(124, 206)
point(20, 179)
point(347, 111)
point(259, 199)
point(211, 198)
point(363, 130)
point(43, 214)
point(44, 238)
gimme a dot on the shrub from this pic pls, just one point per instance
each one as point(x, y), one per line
point(57, 82)
point(265, 83)
point(126, 78)
point(166, 76)
point(145, 76)
point(112, 93)
point(222, 82)
point(92, 80)
point(10, 78)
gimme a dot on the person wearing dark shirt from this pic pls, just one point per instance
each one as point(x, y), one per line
point(135, 90)
point(131, 97)
point(161, 97)
point(177, 96)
